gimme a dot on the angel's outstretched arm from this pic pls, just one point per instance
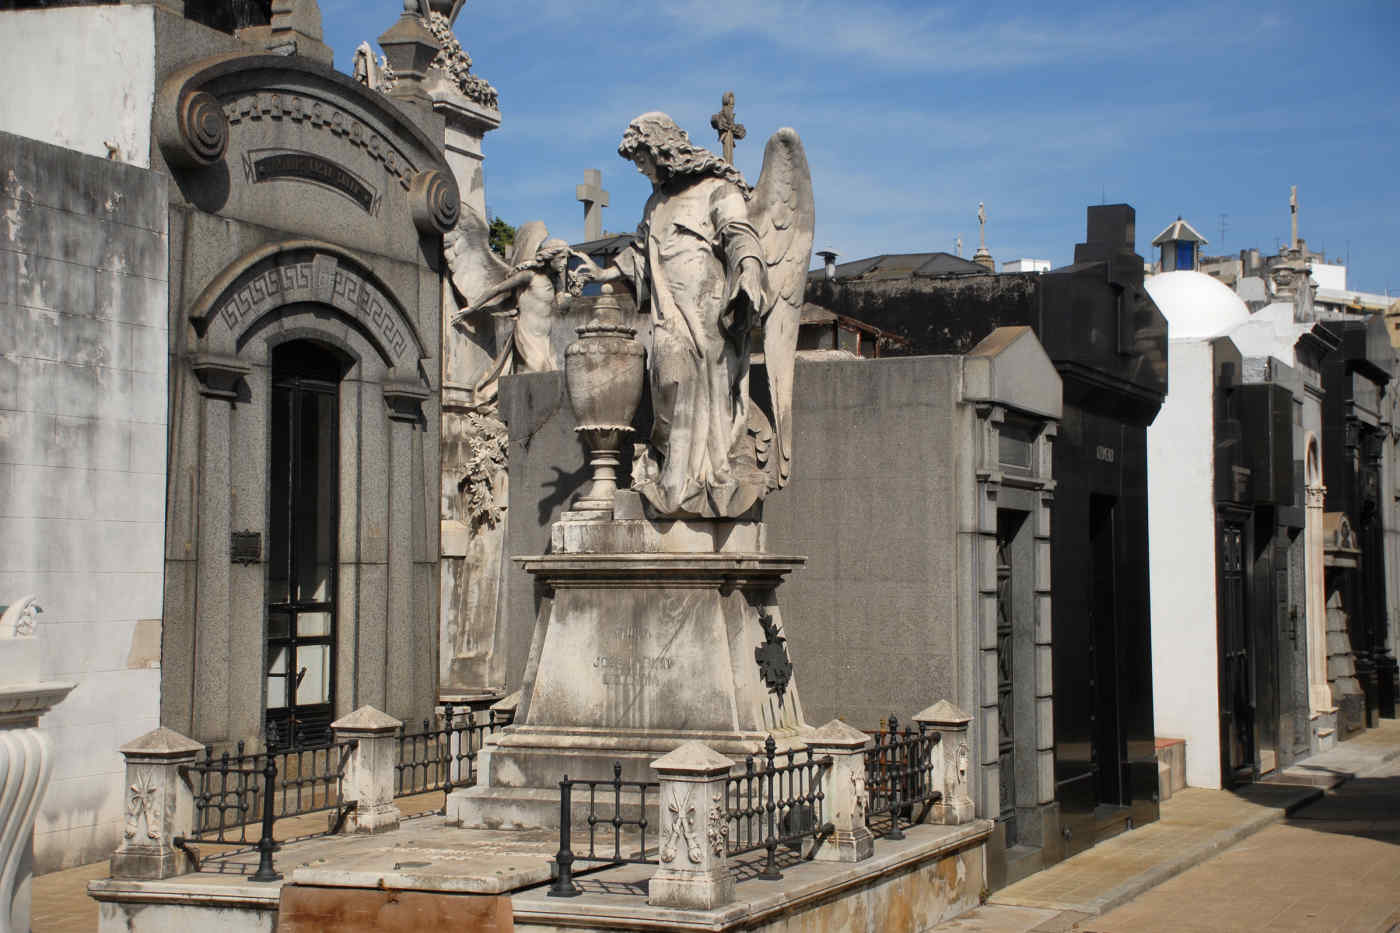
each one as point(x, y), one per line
point(518, 280)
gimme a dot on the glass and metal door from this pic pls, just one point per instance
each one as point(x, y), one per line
point(304, 478)
point(1237, 698)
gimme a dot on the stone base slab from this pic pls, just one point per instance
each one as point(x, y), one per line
point(934, 875)
point(697, 892)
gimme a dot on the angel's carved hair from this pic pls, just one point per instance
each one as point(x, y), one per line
point(673, 152)
point(548, 251)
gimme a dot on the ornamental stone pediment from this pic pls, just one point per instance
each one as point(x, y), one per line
point(304, 271)
point(291, 144)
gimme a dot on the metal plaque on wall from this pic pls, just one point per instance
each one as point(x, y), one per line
point(245, 547)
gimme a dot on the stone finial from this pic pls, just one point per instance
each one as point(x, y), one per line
point(837, 734)
point(160, 744)
point(943, 713)
point(409, 47)
point(695, 758)
point(844, 793)
point(159, 804)
point(369, 775)
point(366, 720)
point(693, 851)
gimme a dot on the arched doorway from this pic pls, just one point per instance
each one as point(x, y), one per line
point(303, 521)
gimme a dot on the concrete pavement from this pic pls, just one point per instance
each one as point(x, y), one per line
point(1332, 865)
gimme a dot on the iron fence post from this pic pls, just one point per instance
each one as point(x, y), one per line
point(770, 866)
point(895, 779)
point(563, 885)
point(266, 845)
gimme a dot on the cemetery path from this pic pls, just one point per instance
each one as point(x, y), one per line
point(1332, 864)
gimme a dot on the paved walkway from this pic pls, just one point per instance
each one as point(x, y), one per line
point(1335, 864)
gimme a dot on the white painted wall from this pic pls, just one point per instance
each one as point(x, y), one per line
point(1181, 547)
point(83, 359)
point(81, 77)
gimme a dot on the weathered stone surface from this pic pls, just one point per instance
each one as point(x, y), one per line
point(83, 259)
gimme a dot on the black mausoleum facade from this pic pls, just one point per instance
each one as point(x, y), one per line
point(1108, 341)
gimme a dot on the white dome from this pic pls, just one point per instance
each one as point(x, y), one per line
point(1195, 305)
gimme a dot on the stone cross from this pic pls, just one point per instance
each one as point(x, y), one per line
point(1293, 211)
point(594, 199)
point(729, 131)
point(982, 225)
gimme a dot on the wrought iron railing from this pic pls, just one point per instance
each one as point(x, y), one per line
point(239, 797)
point(899, 776)
point(777, 802)
point(441, 757)
point(606, 816)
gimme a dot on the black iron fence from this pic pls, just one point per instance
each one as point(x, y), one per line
point(442, 757)
point(610, 827)
point(900, 777)
point(777, 803)
point(238, 798)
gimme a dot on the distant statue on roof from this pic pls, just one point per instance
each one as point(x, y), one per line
point(531, 288)
point(713, 261)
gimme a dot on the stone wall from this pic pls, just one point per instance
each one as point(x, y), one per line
point(83, 290)
point(870, 505)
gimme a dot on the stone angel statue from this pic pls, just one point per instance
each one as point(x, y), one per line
point(529, 288)
point(714, 262)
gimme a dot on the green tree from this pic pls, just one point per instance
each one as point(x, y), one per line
point(502, 236)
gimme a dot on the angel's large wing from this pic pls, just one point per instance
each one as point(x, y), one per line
point(475, 268)
point(782, 211)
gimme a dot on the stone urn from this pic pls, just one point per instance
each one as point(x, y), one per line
point(603, 370)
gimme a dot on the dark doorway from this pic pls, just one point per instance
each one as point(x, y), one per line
point(1007, 524)
point(303, 520)
point(1237, 748)
point(1108, 752)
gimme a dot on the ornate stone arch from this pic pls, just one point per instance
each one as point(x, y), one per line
point(370, 151)
point(294, 271)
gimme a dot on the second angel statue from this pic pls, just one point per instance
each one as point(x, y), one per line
point(714, 263)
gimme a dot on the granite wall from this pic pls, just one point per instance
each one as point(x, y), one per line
point(83, 290)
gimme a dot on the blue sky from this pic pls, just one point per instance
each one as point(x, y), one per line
point(911, 113)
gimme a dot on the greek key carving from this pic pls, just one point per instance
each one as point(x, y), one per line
point(322, 279)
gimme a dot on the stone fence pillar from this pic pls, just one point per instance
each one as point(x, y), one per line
point(159, 806)
point(952, 724)
point(26, 757)
point(844, 791)
point(694, 870)
point(369, 777)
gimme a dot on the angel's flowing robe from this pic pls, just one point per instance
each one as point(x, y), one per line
point(684, 267)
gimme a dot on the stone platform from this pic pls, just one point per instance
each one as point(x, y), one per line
point(428, 877)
